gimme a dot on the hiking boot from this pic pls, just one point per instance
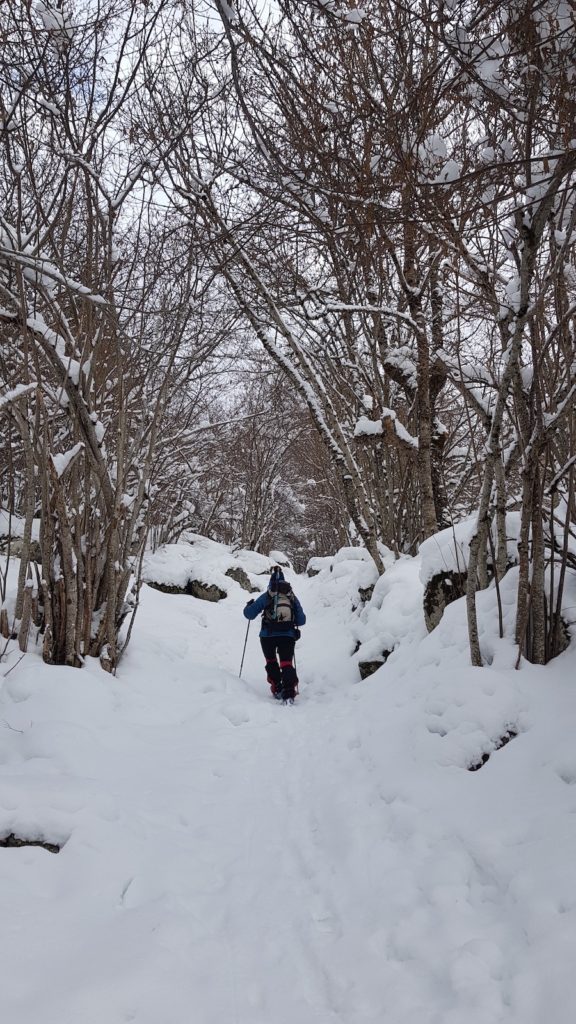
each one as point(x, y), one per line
point(289, 680)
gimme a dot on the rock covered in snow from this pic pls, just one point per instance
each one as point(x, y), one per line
point(349, 554)
point(195, 588)
point(279, 558)
point(355, 567)
point(317, 564)
point(203, 568)
point(241, 577)
point(392, 615)
point(368, 668)
point(440, 590)
point(449, 549)
point(444, 563)
point(252, 561)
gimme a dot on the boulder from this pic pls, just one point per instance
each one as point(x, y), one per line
point(241, 577)
point(17, 842)
point(203, 591)
point(166, 588)
point(366, 593)
point(440, 590)
point(367, 668)
point(318, 563)
point(279, 558)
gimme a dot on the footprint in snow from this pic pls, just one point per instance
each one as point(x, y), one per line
point(236, 715)
point(567, 772)
point(436, 728)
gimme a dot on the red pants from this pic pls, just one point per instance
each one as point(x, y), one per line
point(282, 677)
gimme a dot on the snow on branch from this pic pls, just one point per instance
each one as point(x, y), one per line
point(15, 394)
point(401, 368)
point(353, 16)
point(561, 473)
point(387, 311)
point(61, 461)
point(71, 366)
point(388, 424)
point(368, 428)
point(39, 271)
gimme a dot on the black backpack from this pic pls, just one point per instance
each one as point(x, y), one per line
point(279, 608)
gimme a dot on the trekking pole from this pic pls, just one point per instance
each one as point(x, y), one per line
point(244, 651)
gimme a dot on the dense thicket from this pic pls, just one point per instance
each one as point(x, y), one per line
point(358, 221)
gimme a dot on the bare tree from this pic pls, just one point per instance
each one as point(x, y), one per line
point(98, 307)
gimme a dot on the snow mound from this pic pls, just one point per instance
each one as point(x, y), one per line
point(341, 577)
point(394, 615)
point(449, 550)
point(318, 563)
point(206, 561)
point(279, 558)
point(349, 554)
point(253, 561)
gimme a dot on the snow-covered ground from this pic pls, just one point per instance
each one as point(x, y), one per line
point(227, 860)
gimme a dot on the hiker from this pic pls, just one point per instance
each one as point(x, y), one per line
point(282, 614)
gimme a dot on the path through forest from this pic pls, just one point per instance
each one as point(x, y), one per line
point(228, 859)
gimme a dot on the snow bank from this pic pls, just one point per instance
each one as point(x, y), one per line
point(253, 561)
point(449, 550)
point(318, 563)
point(279, 558)
point(196, 558)
point(394, 615)
point(208, 562)
point(342, 576)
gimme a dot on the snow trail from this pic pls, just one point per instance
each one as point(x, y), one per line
point(228, 859)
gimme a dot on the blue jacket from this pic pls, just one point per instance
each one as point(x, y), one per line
point(252, 611)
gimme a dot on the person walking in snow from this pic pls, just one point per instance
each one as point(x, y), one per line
point(282, 614)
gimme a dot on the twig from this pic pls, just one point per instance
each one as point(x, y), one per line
point(12, 667)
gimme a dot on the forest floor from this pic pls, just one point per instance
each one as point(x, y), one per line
point(229, 860)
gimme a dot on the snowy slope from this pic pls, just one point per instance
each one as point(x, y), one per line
point(227, 859)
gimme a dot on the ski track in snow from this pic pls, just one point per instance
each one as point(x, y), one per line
point(234, 861)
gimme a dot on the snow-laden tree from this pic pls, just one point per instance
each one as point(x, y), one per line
point(100, 308)
point(505, 204)
point(311, 206)
point(380, 197)
point(248, 469)
point(394, 221)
